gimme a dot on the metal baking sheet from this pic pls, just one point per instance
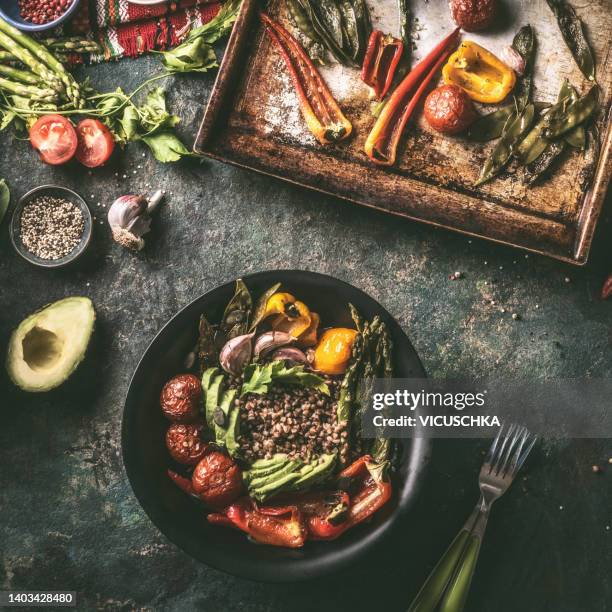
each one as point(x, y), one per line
point(253, 120)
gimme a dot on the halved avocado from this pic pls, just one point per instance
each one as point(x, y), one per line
point(48, 346)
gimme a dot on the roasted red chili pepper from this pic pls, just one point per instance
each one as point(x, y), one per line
point(372, 488)
point(381, 61)
point(381, 144)
point(319, 109)
point(277, 526)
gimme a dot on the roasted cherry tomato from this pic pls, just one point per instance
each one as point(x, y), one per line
point(54, 138)
point(473, 15)
point(448, 109)
point(217, 480)
point(95, 143)
point(185, 443)
point(181, 398)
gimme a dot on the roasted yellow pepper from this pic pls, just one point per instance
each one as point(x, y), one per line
point(334, 350)
point(309, 337)
point(280, 303)
point(294, 320)
point(484, 77)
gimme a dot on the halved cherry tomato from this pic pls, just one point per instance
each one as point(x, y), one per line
point(54, 138)
point(96, 143)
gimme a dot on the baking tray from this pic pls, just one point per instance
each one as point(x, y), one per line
point(253, 120)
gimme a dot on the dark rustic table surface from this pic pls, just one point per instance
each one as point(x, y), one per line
point(68, 518)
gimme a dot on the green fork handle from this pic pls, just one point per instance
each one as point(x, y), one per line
point(447, 587)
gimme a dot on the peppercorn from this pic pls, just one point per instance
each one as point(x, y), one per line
point(43, 11)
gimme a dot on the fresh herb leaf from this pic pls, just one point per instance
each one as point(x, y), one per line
point(165, 146)
point(258, 378)
point(192, 56)
point(128, 124)
point(5, 198)
point(196, 54)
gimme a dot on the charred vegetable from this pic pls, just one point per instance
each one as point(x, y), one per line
point(319, 109)
point(381, 144)
point(573, 34)
point(381, 61)
point(342, 27)
point(237, 312)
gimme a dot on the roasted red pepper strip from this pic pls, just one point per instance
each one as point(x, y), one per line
point(381, 144)
point(275, 526)
point(380, 62)
point(182, 483)
point(374, 494)
point(325, 512)
point(319, 109)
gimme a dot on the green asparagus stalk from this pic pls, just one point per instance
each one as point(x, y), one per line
point(24, 76)
point(28, 91)
point(25, 57)
point(80, 45)
point(46, 57)
point(6, 56)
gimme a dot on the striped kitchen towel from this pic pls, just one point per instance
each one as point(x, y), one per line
point(126, 29)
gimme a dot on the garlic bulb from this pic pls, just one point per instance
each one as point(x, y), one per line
point(236, 353)
point(289, 353)
point(271, 340)
point(513, 59)
point(130, 218)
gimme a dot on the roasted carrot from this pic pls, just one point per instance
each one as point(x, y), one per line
point(381, 144)
point(319, 109)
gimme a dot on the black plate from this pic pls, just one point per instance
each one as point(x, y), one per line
point(180, 518)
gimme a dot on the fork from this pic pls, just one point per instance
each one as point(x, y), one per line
point(446, 589)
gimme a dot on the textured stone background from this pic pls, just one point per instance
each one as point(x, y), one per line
point(68, 519)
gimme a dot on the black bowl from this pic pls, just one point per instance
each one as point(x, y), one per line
point(180, 518)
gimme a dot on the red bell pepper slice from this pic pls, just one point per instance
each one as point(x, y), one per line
point(182, 483)
point(325, 512)
point(372, 489)
point(276, 526)
point(381, 144)
point(381, 60)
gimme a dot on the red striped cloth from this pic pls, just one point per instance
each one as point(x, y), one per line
point(126, 29)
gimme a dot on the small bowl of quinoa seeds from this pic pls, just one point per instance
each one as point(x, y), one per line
point(51, 226)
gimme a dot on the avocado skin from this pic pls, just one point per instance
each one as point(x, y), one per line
point(12, 362)
point(226, 405)
point(213, 397)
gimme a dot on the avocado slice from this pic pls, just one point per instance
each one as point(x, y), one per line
point(273, 487)
point(319, 472)
point(225, 406)
point(47, 347)
point(213, 397)
point(291, 468)
point(265, 467)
